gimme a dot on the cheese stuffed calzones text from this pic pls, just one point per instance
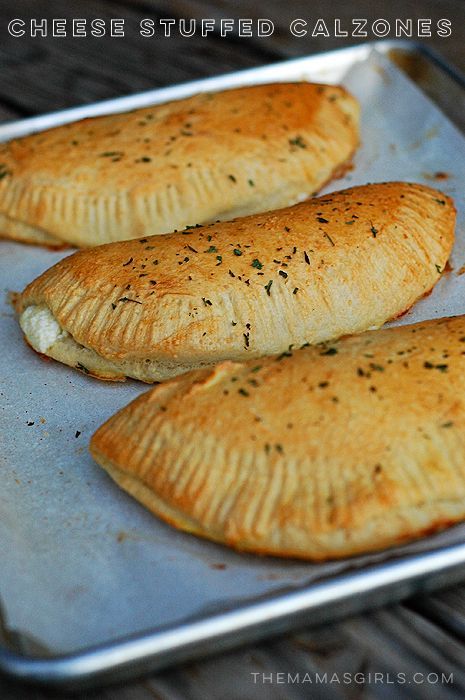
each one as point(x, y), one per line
point(211, 156)
point(155, 307)
point(324, 452)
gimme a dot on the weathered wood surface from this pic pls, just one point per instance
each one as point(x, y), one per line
point(421, 636)
point(45, 73)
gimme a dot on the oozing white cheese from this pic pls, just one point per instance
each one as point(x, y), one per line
point(40, 328)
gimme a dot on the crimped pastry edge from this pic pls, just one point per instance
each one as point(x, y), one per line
point(323, 548)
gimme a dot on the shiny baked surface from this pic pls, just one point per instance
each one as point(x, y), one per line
point(153, 170)
point(155, 307)
point(327, 451)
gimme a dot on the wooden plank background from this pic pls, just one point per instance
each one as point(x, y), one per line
point(424, 635)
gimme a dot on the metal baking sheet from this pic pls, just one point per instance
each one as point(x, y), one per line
point(94, 588)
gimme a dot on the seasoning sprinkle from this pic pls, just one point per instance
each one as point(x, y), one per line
point(326, 235)
point(125, 299)
point(298, 142)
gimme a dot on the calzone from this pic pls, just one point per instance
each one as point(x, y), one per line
point(328, 451)
point(150, 171)
point(158, 306)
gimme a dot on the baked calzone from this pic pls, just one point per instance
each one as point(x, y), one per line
point(329, 451)
point(150, 171)
point(155, 307)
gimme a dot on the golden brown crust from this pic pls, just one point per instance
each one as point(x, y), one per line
point(157, 169)
point(159, 306)
point(328, 451)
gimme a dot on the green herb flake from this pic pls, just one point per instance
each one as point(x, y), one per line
point(268, 287)
point(125, 299)
point(212, 249)
point(449, 424)
point(438, 268)
point(251, 183)
point(326, 235)
point(298, 142)
point(237, 252)
point(329, 351)
point(257, 264)
point(232, 178)
point(440, 367)
point(188, 229)
point(111, 154)
point(243, 392)
point(374, 231)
